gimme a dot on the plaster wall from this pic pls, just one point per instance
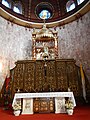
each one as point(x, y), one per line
point(74, 42)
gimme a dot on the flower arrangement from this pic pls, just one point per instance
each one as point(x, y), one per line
point(69, 104)
point(17, 106)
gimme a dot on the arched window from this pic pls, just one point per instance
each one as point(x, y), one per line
point(44, 14)
point(6, 3)
point(70, 5)
point(17, 8)
point(79, 1)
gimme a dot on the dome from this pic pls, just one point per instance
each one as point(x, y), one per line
point(30, 13)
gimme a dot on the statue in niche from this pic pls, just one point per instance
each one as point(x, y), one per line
point(45, 49)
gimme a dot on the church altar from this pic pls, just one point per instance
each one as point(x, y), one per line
point(27, 107)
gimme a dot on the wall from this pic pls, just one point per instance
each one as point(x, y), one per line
point(15, 44)
point(73, 42)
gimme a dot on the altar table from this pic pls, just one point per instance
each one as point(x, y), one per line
point(28, 99)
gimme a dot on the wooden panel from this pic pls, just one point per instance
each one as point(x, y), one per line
point(18, 75)
point(73, 82)
point(29, 76)
point(43, 105)
point(61, 76)
point(39, 76)
point(50, 73)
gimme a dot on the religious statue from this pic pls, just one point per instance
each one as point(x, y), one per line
point(45, 49)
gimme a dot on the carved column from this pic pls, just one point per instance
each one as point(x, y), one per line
point(34, 44)
point(56, 45)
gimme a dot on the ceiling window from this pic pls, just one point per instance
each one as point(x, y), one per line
point(70, 5)
point(44, 10)
point(6, 3)
point(44, 14)
point(17, 8)
point(80, 1)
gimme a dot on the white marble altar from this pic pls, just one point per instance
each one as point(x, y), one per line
point(59, 100)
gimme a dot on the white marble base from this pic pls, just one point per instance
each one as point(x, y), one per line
point(27, 106)
point(60, 105)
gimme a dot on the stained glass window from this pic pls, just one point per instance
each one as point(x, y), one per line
point(44, 14)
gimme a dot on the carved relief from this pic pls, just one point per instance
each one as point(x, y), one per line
point(18, 77)
point(39, 78)
point(51, 79)
point(29, 77)
point(73, 83)
point(42, 105)
point(46, 76)
point(61, 76)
